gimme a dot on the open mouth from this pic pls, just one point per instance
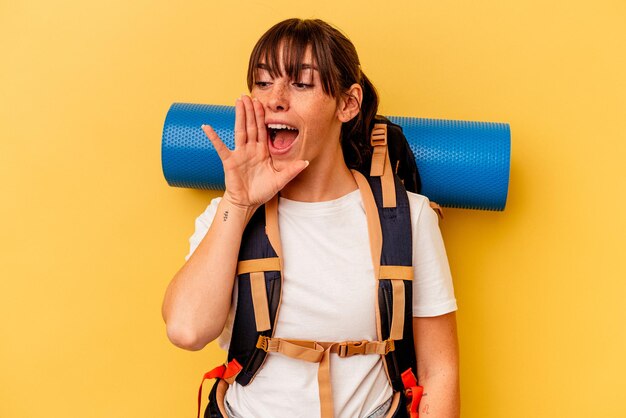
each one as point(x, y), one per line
point(282, 136)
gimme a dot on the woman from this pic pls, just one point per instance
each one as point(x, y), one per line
point(305, 124)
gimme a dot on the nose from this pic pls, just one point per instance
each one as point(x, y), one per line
point(278, 98)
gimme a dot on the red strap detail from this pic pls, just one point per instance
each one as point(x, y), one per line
point(408, 379)
point(232, 368)
point(415, 396)
point(413, 392)
point(220, 372)
point(217, 372)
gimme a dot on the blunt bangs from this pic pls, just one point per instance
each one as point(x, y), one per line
point(291, 39)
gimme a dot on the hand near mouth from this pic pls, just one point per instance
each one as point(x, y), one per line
point(250, 177)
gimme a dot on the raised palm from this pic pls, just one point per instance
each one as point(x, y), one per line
point(249, 174)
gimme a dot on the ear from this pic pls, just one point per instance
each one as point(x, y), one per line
point(350, 103)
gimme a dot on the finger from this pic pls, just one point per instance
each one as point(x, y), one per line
point(240, 123)
point(260, 121)
point(222, 150)
point(290, 172)
point(250, 119)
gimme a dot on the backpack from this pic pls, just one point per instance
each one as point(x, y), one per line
point(401, 156)
point(383, 179)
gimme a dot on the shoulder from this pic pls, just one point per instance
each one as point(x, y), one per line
point(417, 201)
point(421, 212)
point(202, 225)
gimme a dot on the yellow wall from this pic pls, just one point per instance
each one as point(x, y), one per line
point(91, 233)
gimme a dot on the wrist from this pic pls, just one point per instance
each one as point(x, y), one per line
point(242, 209)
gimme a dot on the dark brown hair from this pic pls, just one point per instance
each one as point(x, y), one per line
point(338, 64)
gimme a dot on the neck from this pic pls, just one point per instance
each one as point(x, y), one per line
point(321, 181)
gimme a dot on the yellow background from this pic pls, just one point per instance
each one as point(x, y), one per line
point(92, 234)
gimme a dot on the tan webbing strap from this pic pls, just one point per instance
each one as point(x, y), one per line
point(259, 301)
point(273, 235)
point(374, 229)
point(256, 268)
point(375, 233)
point(259, 264)
point(397, 275)
point(396, 272)
point(397, 320)
point(325, 388)
point(388, 186)
point(271, 227)
point(323, 373)
point(310, 351)
point(319, 352)
point(222, 386)
point(378, 140)
point(381, 164)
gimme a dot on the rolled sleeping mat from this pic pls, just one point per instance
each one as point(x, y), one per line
point(462, 164)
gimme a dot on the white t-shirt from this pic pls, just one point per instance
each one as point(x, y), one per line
point(329, 294)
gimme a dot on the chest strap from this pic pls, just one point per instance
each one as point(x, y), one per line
point(319, 352)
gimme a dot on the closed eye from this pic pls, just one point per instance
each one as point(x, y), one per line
point(262, 84)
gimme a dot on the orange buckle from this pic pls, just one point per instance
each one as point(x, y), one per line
point(350, 348)
point(390, 345)
point(262, 342)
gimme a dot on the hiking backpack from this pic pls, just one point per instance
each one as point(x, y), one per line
point(383, 179)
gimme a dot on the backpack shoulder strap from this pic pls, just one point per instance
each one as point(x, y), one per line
point(381, 164)
point(259, 282)
point(395, 271)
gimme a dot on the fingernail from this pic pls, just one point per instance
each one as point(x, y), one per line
point(306, 163)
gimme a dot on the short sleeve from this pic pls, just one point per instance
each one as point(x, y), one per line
point(203, 223)
point(433, 291)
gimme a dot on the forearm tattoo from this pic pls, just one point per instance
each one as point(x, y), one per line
point(225, 215)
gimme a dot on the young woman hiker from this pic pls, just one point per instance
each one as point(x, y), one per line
point(306, 123)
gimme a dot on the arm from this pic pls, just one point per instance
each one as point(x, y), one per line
point(436, 348)
point(197, 300)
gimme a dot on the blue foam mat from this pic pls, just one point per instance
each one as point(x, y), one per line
point(462, 164)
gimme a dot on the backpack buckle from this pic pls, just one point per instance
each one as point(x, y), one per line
point(262, 343)
point(379, 135)
point(350, 348)
point(390, 345)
